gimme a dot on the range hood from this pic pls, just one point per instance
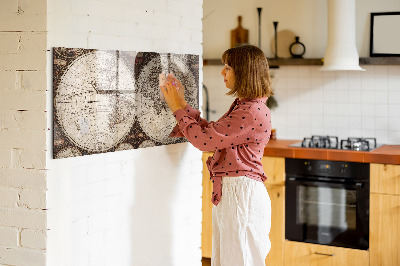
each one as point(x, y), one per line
point(341, 51)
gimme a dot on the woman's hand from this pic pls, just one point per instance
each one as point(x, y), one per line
point(181, 90)
point(173, 96)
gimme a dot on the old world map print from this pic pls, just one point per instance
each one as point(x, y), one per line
point(105, 101)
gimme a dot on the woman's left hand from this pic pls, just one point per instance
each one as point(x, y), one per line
point(171, 95)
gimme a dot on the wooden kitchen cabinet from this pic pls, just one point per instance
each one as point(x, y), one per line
point(274, 168)
point(385, 178)
point(206, 225)
point(277, 233)
point(384, 237)
point(305, 254)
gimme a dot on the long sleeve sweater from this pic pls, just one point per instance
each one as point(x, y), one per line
point(238, 139)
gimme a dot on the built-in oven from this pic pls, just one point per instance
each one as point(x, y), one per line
point(327, 202)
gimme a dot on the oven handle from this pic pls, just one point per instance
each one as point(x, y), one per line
point(357, 185)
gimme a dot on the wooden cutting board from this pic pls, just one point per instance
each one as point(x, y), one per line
point(239, 35)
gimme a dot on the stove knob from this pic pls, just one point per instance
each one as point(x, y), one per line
point(308, 166)
point(343, 168)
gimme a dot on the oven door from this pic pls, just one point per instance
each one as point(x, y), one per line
point(327, 213)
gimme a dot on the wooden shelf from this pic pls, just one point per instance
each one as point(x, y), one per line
point(380, 61)
point(273, 62)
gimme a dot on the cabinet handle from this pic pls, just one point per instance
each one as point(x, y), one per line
point(324, 254)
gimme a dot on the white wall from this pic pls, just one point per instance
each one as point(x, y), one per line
point(137, 207)
point(311, 102)
point(23, 133)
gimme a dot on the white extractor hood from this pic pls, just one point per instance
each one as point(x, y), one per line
point(341, 51)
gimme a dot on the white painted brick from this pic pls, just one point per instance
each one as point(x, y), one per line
point(23, 178)
point(190, 22)
point(114, 186)
point(31, 120)
point(28, 52)
point(97, 173)
point(8, 237)
point(23, 100)
point(9, 42)
point(164, 46)
point(32, 42)
point(23, 218)
point(113, 170)
point(23, 22)
point(197, 10)
point(8, 197)
point(23, 61)
point(148, 6)
point(79, 228)
point(102, 41)
point(33, 239)
point(179, 35)
point(133, 41)
point(5, 158)
point(109, 27)
point(154, 32)
point(33, 199)
point(16, 158)
point(33, 159)
point(98, 222)
point(179, 7)
point(196, 37)
point(35, 140)
point(190, 48)
point(8, 6)
point(137, 16)
point(79, 7)
point(103, 12)
point(17, 256)
point(168, 19)
point(197, 166)
point(33, 7)
point(79, 176)
point(7, 80)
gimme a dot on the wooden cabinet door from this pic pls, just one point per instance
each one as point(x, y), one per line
point(277, 233)
point(274, 168)
point(384, 236)
point(304, 254)
point(385, 178)
point(206, 226)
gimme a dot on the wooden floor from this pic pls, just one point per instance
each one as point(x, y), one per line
point(206, 261)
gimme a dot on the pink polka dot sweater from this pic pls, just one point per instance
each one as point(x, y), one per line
point(238, 139)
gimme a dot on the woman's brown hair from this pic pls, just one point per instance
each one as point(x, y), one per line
point(250, 66)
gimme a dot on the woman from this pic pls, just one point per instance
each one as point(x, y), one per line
point(242, 208)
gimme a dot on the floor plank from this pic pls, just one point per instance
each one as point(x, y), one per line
point(206, 261)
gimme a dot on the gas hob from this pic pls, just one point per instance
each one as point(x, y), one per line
point(332, 142)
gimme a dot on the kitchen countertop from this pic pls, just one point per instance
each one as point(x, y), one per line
point(389, 154)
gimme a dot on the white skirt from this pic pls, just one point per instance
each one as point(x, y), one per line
point(241, 223)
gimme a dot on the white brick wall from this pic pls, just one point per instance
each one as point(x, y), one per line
point(138, 207)
point(101, 206)
point(23, 132)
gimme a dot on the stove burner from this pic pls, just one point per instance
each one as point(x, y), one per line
point(328, 142)
point(332, 142)
point(358, 144)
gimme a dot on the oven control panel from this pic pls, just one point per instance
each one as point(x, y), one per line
point(338, 169)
